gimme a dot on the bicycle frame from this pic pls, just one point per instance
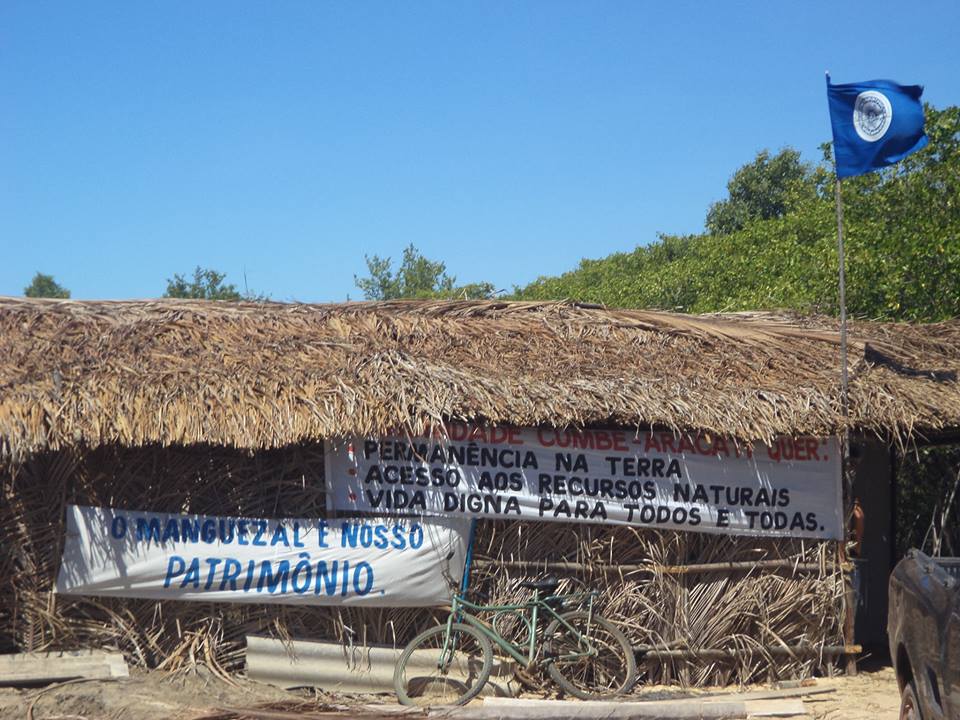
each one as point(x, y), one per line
point(461, 611)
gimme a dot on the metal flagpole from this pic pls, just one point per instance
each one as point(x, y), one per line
point(845, 407)
point(849, 598)
point(843, 319)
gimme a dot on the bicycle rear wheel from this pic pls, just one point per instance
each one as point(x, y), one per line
point(435, 670)
point(609, 673)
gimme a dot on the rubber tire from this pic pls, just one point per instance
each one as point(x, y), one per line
point(909, 703)
point(630, 659)
point(414, 644)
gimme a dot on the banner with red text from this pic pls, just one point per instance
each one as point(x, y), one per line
point(700, 482)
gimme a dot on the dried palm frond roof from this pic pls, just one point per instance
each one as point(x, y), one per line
point(256, 375)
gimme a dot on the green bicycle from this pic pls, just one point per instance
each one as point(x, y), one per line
point(585, 654)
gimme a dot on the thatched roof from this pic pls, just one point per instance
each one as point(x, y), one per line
point(256, 375)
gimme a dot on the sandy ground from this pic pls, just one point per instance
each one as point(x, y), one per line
point(145, 695)
point(872, 695)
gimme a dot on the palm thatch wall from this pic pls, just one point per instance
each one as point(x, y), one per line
point(219, 408)
point(746, 610)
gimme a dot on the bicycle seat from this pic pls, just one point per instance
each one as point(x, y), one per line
point(546, 586)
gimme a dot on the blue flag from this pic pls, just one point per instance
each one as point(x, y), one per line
point(875, 124)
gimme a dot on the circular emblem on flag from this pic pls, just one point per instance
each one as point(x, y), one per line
point(872, 115)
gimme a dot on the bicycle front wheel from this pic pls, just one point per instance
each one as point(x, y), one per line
point(440, 669)
point(605, 673)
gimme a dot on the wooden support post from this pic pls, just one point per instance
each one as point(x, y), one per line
point(849, 617)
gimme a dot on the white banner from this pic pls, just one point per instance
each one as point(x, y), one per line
point(699, 482)
point(383, 563)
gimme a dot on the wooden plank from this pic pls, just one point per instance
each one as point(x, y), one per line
point(530, 709)
point(787, 707)
point(778, 694)
point(38, 668)
point(806, 651)
point(577, 711)
point(625, 569)
point(770, 694)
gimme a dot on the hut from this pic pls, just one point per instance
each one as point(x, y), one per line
point(221, 408)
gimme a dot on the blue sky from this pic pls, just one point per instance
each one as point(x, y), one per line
point(288, 139)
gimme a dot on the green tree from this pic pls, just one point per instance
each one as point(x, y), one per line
point(417, 277)
point(206, 284)
point(902, 231)
point(44, 286)
point(769, 187)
